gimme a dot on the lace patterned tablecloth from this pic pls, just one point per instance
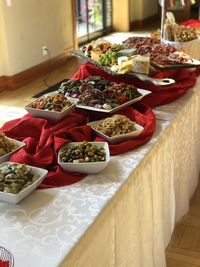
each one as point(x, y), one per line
point(122, 217)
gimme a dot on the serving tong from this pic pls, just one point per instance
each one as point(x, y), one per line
point(155, 81)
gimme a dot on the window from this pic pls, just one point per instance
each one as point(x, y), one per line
point(93, 18)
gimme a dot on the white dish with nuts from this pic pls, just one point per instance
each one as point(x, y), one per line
point(116, 128)
point(8, 147)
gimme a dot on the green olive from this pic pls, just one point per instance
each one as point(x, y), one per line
point(84, 152)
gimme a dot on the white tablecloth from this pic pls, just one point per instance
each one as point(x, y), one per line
point(122, 217)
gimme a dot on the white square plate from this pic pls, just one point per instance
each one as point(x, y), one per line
point(7, 156)
point(142, 91)
point(15, 198)
point(85, 167)
point(49, 114)
point(117, 138)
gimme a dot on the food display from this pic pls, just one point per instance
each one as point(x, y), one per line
point(83, 152)
point(99, 93)
point(120, 58)
point(113, 96)
point(138, 41)
point(176, 32)
point(141, 55)
point(15, 177)
point(52, 102)
point(110, 57)
point(74, 88)
point(184, 38)
point(136, 63)
point(159, 53)
point(96, 47)
point(115, 125)
point(6, 145)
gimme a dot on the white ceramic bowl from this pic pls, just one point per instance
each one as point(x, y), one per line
point(49, 114)
point(117, 138)
point(15, 198)
point(7, 156)
point(85, 167)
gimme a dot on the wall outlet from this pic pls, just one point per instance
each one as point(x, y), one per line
point(44, 50)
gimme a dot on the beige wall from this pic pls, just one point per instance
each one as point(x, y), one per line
point(30, 24)
point(142, 9)
point(3, 48)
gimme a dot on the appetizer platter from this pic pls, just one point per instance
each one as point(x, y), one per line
point(136, 55)
point(97, 94)
point(141, 76)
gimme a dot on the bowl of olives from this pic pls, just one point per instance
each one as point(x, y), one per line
point(18, 180)
point(84, 157)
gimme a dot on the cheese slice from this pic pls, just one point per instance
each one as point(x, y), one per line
point(121, 60)
point(140, 64)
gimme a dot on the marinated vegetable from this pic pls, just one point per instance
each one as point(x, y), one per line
point(74, 88)
point(15, 177)
point(6, 146)
point(84, 152)
point(97, 92)
point(55, 102)
point(113, 96)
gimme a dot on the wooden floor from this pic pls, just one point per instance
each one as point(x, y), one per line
point(23, 95)
point(184, 248)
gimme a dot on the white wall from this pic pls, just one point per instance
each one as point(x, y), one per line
point(30, 24)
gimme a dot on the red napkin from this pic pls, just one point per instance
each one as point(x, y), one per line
point(43, 139)
point(160, 94)
point(191, 22)
point(4, 263)
point(142, 115)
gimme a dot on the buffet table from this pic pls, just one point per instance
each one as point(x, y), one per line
point(121, 217)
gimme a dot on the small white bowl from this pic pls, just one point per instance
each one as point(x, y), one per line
point(7, 156)
point(85, 167)
point(117, 138)
point(49, 114)
point(16, 198)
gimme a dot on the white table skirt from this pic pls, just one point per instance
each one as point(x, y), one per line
point(122, 217)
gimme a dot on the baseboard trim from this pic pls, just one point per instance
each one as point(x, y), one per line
point(33, 73)
point(138, 24)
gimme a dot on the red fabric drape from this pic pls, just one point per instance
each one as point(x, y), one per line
point(43, 139)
